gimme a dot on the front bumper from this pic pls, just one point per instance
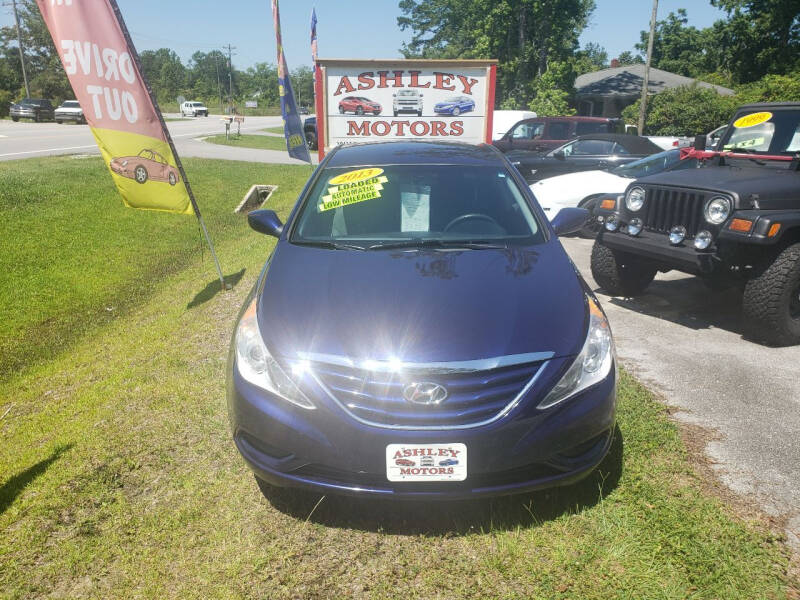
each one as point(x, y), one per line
point(656, 248)
point(327, 451)
point(77, 117)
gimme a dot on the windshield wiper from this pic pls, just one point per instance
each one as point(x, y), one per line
point(328, 244)
point(436, 243)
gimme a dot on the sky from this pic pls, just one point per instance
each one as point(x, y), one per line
point(346, 28)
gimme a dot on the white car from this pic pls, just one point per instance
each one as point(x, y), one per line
point(70, 110)
point(406, 101)
point(585, 188)
point(193, 109)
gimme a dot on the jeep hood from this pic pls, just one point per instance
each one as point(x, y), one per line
point(773, 184)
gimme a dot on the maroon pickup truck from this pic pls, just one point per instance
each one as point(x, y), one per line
point(543, 134)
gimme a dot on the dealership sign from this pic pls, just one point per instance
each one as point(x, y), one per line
point(381, 100)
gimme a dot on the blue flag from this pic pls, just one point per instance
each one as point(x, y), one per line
point(292, 125)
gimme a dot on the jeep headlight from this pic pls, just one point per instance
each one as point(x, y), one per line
point(256, 365)
point(634, 199)
point(593, 363)
point(717, 210)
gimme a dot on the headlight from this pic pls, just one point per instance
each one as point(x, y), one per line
point(717, 210)
point(256, 365)
point(634, 199)
point(592, 365)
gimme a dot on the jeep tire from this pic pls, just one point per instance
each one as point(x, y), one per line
point(618, 273)
point(771, 302)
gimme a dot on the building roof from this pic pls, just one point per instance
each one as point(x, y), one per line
point(627, 81)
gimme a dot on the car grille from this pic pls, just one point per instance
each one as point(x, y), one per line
point(474, 396)
point(664, 208)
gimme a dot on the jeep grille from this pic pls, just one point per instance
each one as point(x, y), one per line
point(664, 208)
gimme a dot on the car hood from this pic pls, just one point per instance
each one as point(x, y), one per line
point(571, 188)
point(774, 184)
point(422, 306)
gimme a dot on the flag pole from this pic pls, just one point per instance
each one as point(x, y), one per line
point(135, 56)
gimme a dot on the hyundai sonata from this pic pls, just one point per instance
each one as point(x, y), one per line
point(419, 332)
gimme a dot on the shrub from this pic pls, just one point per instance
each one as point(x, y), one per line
point(5, 102)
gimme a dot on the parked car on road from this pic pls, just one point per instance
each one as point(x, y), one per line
point(543, 134)
point(407, 101)
point(310, 131)
point(38, 109)
point(420, 265)
point(585, 188)
point(358, 105)
point(734, 222)
point(193, 109)
point(455, 106)
point(588, 152)
point(69, 110)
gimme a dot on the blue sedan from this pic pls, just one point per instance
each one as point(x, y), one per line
point(419, 332)
point(455, 106)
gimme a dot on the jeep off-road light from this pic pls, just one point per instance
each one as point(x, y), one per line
point(773, 231)
point(741, 225)
point(703, 240)
point(608, 203)
point(677, 234)
point(635, 227)
point(612, 224)
point(717, 210)
point(634, 199)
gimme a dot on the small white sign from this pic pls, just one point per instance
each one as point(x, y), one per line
point(426, 462)
point(250, 104)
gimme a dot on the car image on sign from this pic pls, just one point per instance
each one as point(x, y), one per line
point(448, 462)
point(404, 462)
point(148, 164)
point(455, 106)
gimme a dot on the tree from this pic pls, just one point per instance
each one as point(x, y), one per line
point(629, 58)
point(46, 76)
point(760, 37)
point(165, 73)
point(526, 36)
point(592, 57)
point(687, 110)
point(679, 48)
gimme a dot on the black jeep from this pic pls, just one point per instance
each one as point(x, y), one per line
point(734, 220)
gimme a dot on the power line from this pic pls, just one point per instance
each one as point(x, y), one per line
point(21, 48)
point(230, 50)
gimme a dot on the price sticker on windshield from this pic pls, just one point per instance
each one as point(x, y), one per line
point(353, 187)
point(752, 120)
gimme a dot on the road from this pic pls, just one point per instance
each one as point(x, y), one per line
point(685, 343)
point(26, 139)
point(682, 340)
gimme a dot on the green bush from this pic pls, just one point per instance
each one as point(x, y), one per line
point(691, 110)
point(5, 102)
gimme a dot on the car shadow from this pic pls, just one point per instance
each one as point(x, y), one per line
point(14, 486)
point(688, 302)
point(214, 287)
point(462, 517)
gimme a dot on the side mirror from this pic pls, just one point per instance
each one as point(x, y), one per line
point(265, 221)
point(700, 142)
point(569, 220)
point(560, 155)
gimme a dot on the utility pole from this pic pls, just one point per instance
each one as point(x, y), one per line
point(21, 50)
point(230, 49)
point(646, 82)
point(219, 86)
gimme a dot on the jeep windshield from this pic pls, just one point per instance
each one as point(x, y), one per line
point(415, 206)
point(764, 132)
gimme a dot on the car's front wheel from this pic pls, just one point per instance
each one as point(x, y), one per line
point(618, 273)
point(140, 174)
point(172, 179)
point(456, 111)
point(15, 119)
point(311, 140)
point(771, 302)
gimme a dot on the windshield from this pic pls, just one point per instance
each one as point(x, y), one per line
point(70, 104)
point(651, 164)
point(776, 132)
point(367, 207)
point(197, 104)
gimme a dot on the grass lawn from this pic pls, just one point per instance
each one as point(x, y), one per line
point(262, 142)
point(118, 477)
point(274, 130)
point(73, 257)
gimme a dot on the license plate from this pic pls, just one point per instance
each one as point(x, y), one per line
point(426, 462)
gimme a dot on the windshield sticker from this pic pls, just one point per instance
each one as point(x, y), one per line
point(751, 143)
point(359, 190)
point(415, 204)
point(752, 120)
point(353, 176)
